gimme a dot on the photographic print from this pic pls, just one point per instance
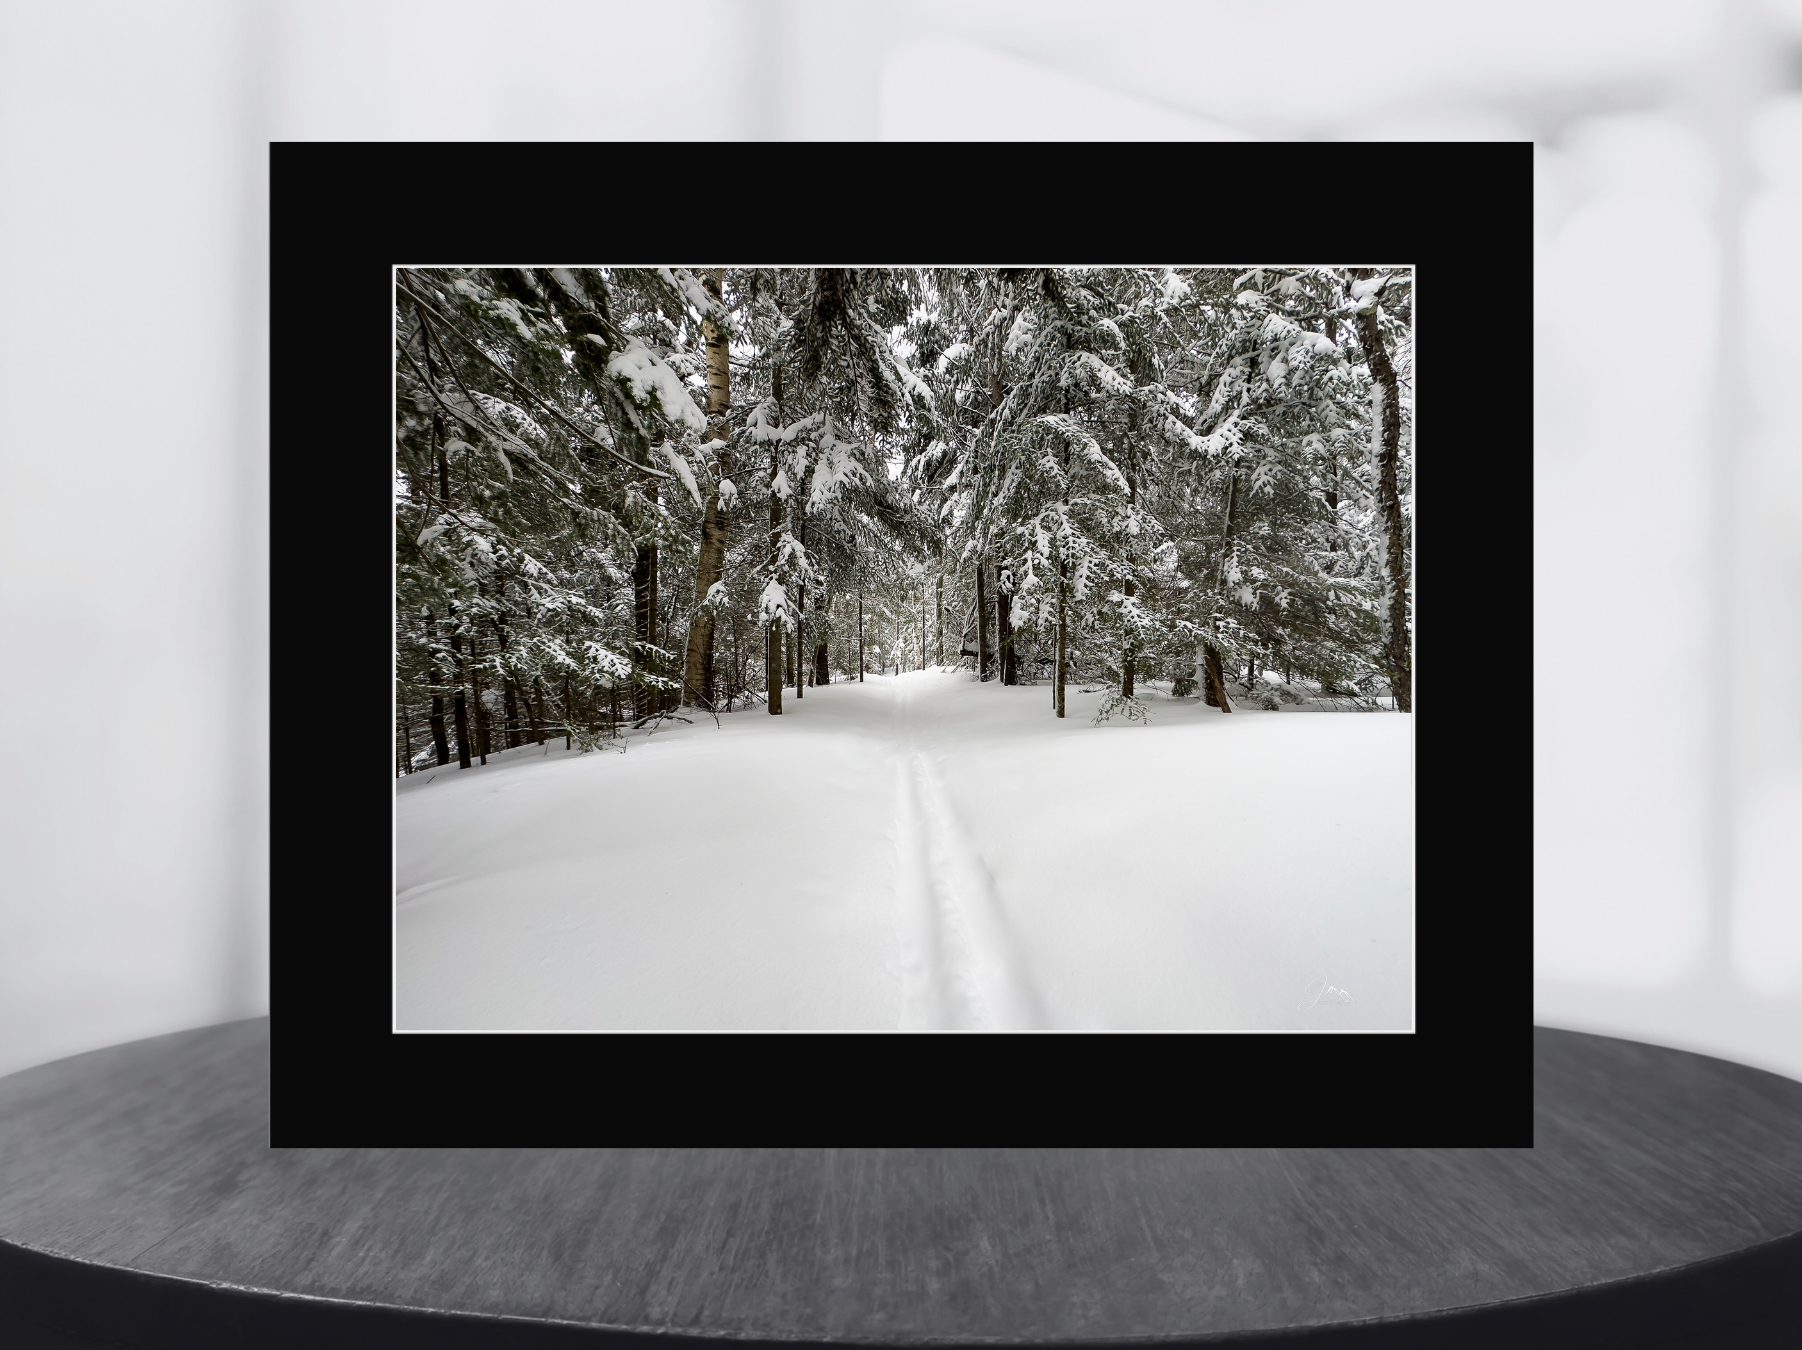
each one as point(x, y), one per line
point(903, 648)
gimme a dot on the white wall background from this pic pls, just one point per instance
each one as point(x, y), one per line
point(1667, 442)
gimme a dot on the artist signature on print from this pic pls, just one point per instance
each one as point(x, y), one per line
point(1322, 992)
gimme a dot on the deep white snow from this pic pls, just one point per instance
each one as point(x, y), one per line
point(919, 851)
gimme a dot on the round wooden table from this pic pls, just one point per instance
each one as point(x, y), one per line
point(140, 1207)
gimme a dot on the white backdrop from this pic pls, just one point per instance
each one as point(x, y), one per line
point(1667, 448)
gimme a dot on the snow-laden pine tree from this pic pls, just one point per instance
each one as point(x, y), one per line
point(1281, 501)
point(1040, 402)
point(836, 387)
point(1114, 474)
point(541, 419)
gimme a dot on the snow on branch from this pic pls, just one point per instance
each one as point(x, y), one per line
point(647, 376)
point(836, 467)
point(913, 383)
point(764, 430)
point(682, 470)
point(695, 295)
point(1110, 380)
point(1085, 445)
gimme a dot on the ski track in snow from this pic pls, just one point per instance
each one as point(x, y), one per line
point(917, 923)
point(962, 964)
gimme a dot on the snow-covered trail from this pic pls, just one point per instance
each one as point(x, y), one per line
point(918, 851)
point(968, 968)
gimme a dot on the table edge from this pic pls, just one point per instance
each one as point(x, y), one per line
point(124, 1306)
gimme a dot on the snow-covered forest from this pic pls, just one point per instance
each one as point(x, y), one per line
point(640, 506)
point(622, 491)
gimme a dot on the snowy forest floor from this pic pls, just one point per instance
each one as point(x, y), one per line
point(919, 851)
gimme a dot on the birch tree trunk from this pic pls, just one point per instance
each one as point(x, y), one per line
point(697, 678)
point(1386, 431)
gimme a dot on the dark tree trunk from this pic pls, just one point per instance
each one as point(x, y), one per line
point(1395, 570)
point(535, 722)
point(644, 617)
point(509, 701)
point(860, 658)
point(1127, 661)
point(443, 465)
point(697, 680)
point(406, 731)
point(1216, 678)
point(512, 705)
point(800, 603)
point(669, 700)
point(475, 684)
point(1060, 675)
point(939, 616)
point(444, 499)
point(772, 664)
point(440, 742)
point(1213, 677)
point(1003, 629)
point(461, 716)
point(774, 646)
point(1128, 658)
point(481, 709)
point(1332, 501)
point(822, 669)
point(1004, 632)
point(1057, 688)
point(982, 622)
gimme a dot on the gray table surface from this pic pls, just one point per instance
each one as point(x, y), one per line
point(151, 1159)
